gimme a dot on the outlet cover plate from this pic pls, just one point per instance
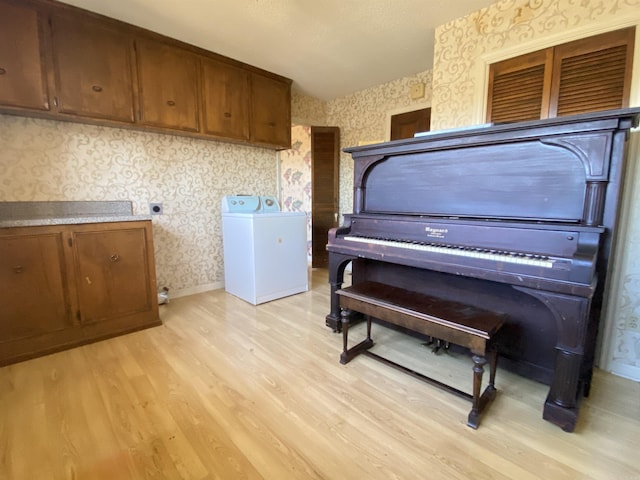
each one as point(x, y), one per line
point(155, 208)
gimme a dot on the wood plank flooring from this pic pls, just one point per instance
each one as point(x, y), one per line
point(226, 390)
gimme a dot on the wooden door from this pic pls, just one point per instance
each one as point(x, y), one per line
point(22, 78)
point(112, 273)
point(93, 69)
point(167, 78)
point(270, 111)
point(35, 296)
point(405, 125)
point(325, 164)
point(226, 100)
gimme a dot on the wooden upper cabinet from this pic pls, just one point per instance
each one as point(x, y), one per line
point(61, 62)
point(271, 110)
point(92, 68)
point(167, 81)
point(22, 76)
point(225, 100)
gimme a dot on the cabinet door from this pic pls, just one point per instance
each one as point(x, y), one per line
point(34, 292)
point(271, 111)
point(22, 76)
point(226, 100)
point(167, 79)
point(93, 68)
point(112, 272)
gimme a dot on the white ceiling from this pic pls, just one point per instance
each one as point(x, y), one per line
point(330, 48)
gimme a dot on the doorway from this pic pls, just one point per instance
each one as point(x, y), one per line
point(405, 125)
point(308, 180)
point(325, 164)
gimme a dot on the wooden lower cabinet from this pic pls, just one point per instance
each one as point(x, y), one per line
point(68, 285)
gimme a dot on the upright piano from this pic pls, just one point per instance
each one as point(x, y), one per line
point(518, 218)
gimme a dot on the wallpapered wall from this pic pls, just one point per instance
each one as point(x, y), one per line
point(49, 160)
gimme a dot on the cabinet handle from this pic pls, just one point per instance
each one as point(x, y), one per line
point(2, 71)
point(227, 114)
point(114, 258)
point(171, 103)
point(96, 88)
point(18, 269)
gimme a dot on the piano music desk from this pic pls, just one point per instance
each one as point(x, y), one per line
point(446, 320)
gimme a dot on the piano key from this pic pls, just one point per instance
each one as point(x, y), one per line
point(510, 257)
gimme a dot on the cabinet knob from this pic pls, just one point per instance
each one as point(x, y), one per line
point(114, 258)
point(18, 269)
point(96, 88)
point(171, 103)
point(227, 114)
point(2, 71)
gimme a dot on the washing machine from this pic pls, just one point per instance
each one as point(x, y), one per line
point(265, 249)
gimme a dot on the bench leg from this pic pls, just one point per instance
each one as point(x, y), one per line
point(478, 370)
point(348, 354)
point(492, 370)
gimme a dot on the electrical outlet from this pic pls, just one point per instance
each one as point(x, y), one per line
point(155, 208)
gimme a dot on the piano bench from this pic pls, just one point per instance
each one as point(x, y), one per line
point(447, 320)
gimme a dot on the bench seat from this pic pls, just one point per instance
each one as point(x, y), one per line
point(446, 320)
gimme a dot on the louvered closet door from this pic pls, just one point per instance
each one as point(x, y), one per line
point(519, 87)
point(587, 75)
point(592, 74)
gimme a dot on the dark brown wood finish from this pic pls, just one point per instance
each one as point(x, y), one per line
point(450, 214)
point(325, 172)
point(406, 125)
point(101, 71)
point(68, 285)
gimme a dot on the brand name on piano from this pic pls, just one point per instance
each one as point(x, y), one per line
point(436, 232)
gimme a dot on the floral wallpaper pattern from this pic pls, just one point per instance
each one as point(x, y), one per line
point(295, 176)
point(48, 160)
point(461, 47)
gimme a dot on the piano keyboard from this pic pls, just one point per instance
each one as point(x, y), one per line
point(471, 252)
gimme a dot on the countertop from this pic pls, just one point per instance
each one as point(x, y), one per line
point(28, 214)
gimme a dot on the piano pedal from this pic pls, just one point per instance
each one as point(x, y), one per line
point(437, 345)
point(429, 342)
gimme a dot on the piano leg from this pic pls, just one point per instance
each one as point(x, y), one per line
point(561, 406)
point(337, 264)
point(570, 313)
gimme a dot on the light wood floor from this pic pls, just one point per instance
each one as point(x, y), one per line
point(226, 390)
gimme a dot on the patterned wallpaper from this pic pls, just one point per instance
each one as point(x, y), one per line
point(49, 160)
point(465, 46)
point(295, 176)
